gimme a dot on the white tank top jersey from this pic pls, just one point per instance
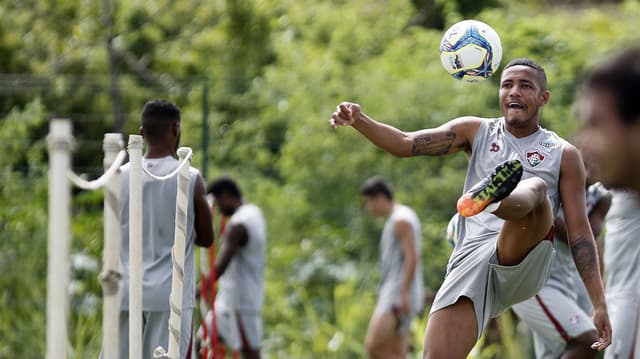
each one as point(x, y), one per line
point(392, 259)
point(158, 230)
point(622, 244)
point(541, 156)
point(242, 284)
point(564, 273)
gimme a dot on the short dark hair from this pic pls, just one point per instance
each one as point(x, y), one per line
point(224, 184)
point(620, 75)
point(157, 117)
point(542, 75)
point(375, 186)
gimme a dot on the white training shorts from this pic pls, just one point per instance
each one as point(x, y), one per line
point(236, 328)
point(555, 319)
point(624, 313)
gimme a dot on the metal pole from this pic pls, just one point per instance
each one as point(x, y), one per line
point(110, 276)
point(60, 142)
point(205, 129)
point(135, 246)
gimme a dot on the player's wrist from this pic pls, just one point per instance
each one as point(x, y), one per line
point(600, 306)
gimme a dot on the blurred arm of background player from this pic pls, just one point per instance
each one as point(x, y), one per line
point(203, 218)
point(236, 238)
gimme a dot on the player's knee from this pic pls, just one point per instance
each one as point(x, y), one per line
point(539, 187)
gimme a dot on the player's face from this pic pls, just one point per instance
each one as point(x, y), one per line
point(375, 205)
point(521, 95)
point(606, 141)
point(224, 202)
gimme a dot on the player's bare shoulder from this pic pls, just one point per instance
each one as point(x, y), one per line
point(571, 159)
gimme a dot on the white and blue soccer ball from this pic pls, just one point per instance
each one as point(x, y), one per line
point(470, 50)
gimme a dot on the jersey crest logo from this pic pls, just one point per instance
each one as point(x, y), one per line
point(494, 147)
point(535, 158)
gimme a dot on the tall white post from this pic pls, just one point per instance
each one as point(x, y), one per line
point(110, 277)
point(135, 246)
point(178, 252)
point(60, 141)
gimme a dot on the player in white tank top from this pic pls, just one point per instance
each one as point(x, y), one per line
point(239, 270)
point(622, 272)
point(401, 290)
point(507, 261)
point(161, 133)
point(610, 135)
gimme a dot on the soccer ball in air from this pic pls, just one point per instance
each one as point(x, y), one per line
point(470, 50)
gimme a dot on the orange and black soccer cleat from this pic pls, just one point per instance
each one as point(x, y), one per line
point(493, 188)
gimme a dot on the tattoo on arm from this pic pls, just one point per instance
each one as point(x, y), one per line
point(585, 257)
point(433, 144)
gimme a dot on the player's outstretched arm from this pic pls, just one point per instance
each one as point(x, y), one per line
point(451, 137)
point(580, 237)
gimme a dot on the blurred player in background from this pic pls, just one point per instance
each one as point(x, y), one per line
point(401, 291)
point(610, 137)
point(622, 272)
point(239, 271)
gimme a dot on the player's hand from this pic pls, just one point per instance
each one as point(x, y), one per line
point(347, 113)
point(603, 328)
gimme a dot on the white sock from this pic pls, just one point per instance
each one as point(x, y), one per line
point(492, 207)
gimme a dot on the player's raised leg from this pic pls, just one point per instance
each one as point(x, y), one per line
point(528, 220)
point(522, 204)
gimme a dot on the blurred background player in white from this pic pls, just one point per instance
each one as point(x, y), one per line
point(622, 272)
point(401, 291)
point(161, 133)
point(502, 257)
point(610, 136)
point(559, 315)
point(239, 270)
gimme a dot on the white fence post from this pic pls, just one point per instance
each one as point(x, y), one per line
point(60, 142)
point(110, 276)
point(178, 252)
point(135, 246)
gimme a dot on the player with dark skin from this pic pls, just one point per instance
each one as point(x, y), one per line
point(161, 130)
point(236, 237)
point(163, 139)
point(452, 331)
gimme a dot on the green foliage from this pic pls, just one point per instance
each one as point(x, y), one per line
point(275, 70)
point(23, 242)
